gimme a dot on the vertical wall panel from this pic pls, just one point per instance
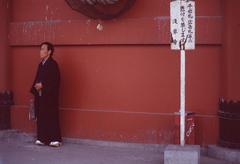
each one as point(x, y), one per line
point(4, 65)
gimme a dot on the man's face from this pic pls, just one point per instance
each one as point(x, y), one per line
point(44, 53)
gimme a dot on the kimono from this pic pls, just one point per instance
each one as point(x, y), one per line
point(46, 101)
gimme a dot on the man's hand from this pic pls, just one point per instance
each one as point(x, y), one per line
point(38, 86)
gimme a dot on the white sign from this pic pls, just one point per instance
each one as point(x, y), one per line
point(182, 19)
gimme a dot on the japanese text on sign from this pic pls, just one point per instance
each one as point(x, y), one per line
point(182, 24)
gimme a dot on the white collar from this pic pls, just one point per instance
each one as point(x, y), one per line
point(44, 60)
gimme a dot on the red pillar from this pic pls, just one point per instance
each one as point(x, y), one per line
point(4, 48)
point(231, 50)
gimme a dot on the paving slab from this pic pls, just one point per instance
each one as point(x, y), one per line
point(19, 148)
point(231, 155)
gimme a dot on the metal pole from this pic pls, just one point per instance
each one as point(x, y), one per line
point(182, 98)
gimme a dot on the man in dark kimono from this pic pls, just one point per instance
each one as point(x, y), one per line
point(45, 89)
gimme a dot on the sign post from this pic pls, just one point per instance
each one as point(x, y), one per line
point(182, 22)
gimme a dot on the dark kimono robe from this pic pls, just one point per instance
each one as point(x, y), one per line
point(47, 102)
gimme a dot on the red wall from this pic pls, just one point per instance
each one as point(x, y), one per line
point(121, 83)
point(4, 15)
point(231, 51)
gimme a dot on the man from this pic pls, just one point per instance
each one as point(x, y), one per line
point(45, 89)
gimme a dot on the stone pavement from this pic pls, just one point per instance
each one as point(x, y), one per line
point(15, 151)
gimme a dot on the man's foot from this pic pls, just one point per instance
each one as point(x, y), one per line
point(38, 142)
point(55, 144)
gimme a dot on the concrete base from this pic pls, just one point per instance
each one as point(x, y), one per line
point(231, 155)
point(176, 154)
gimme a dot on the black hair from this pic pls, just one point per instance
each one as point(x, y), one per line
point(50, 47)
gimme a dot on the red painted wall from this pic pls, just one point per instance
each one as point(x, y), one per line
point(121, 83)
point(231, 51)
point(4, 15)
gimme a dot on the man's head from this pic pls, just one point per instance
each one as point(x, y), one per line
point(46, 50)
